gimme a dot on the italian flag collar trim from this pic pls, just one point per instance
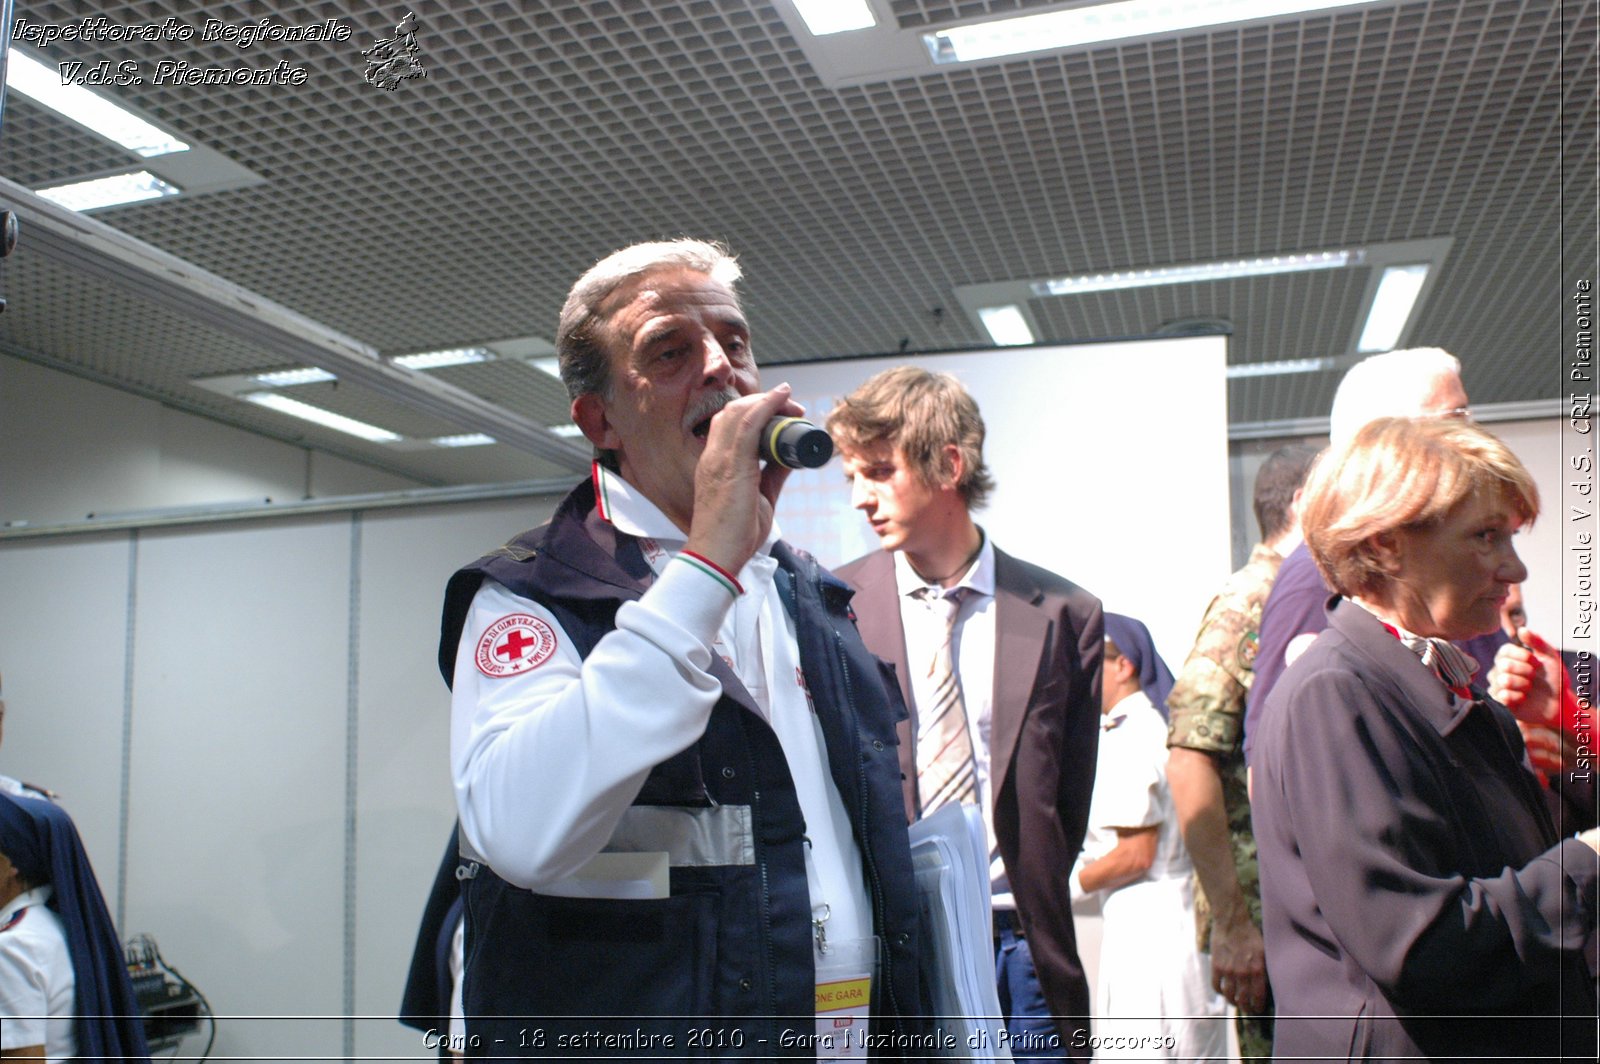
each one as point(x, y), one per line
point(602, 502)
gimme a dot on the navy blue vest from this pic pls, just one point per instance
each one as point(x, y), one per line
point(724, 966)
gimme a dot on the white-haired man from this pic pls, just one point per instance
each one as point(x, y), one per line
point(674, 759)
point(1422, 382)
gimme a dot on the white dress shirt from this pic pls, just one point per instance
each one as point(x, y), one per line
point(972, 649)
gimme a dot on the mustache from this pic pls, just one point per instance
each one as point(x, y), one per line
point(706, 406)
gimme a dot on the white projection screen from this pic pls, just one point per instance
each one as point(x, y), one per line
point(1110, 459)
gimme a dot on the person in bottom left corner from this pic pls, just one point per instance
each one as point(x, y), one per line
point(64, 989)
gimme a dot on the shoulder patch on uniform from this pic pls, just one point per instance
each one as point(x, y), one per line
point(16, 918)
point(1249, 645)
point(516, 643)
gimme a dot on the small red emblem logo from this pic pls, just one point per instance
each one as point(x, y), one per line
point(515, 644)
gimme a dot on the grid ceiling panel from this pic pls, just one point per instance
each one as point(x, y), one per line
point(918, 14)
point(40, 150)
point(62, 313)
point(460, 207)
point(1323, 298)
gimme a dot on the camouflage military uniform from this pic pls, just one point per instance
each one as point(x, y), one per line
point(1207, 714)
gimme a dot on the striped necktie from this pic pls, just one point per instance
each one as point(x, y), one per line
point(946, 768)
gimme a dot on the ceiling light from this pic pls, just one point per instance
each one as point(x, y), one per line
point(326, 418)
point(110, 191)
point(835, 16)
point(41, 83)
point(568, 431)
point(466, 439)
point(1202, 271)
point(288, 378)
point(1275, 369)
point(1105, 22)
point(1391, 307)
point(1006, 325)
point(551, 366)
point(455, 356)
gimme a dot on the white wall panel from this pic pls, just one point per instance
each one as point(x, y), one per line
point(59, 462)
point(237, 837)
point(405, 807)
point(334, 476)
point(63, 637)
point(70, 447)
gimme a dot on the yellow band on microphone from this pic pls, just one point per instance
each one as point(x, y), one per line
point(777, 427)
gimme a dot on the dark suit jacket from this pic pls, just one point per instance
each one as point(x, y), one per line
point(1049, 641)
point(1414, 891)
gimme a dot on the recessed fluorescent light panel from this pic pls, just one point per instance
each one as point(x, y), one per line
point(1203, 271)
point(111, 191)
point(1007, 327)
point(569, 431)
point(835, 16)
point(466, 439)
point(1276, 369)
point(455, 356)
point(326, 418)
point(1396, 297)
point(41, 83)
point(551, 366)
point(288, 378)
point(1106, 22)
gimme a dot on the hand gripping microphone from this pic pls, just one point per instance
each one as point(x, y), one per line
point(795, 443)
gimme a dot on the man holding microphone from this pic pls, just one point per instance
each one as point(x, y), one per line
point(674, 759)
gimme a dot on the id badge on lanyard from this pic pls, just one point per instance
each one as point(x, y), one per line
point(846, 970)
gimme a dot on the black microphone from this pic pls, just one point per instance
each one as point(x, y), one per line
point(795, 443)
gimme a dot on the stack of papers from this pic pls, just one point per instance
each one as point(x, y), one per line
point(950, 857)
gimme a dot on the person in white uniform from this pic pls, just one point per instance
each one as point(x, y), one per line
point(64, 990)
point(1153, 996)
point(36, 983)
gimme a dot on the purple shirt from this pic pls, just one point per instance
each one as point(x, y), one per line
point(1295, 607)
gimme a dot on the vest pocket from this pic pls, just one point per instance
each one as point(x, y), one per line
point(542, 957)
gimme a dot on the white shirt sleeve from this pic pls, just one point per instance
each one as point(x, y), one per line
point(545, 761)
point(1131, 771)
point(23, 995)
point(36, 985)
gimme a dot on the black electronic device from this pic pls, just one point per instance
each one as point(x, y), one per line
point(170, 1005)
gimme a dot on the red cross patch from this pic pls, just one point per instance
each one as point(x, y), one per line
point(516, 643)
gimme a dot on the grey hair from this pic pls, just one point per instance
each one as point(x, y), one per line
point(1393, 384)
point(580, 348)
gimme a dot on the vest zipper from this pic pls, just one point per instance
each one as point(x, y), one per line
point(878, 903)
point(866, 848)
point(880, 908)
point(766, 910)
